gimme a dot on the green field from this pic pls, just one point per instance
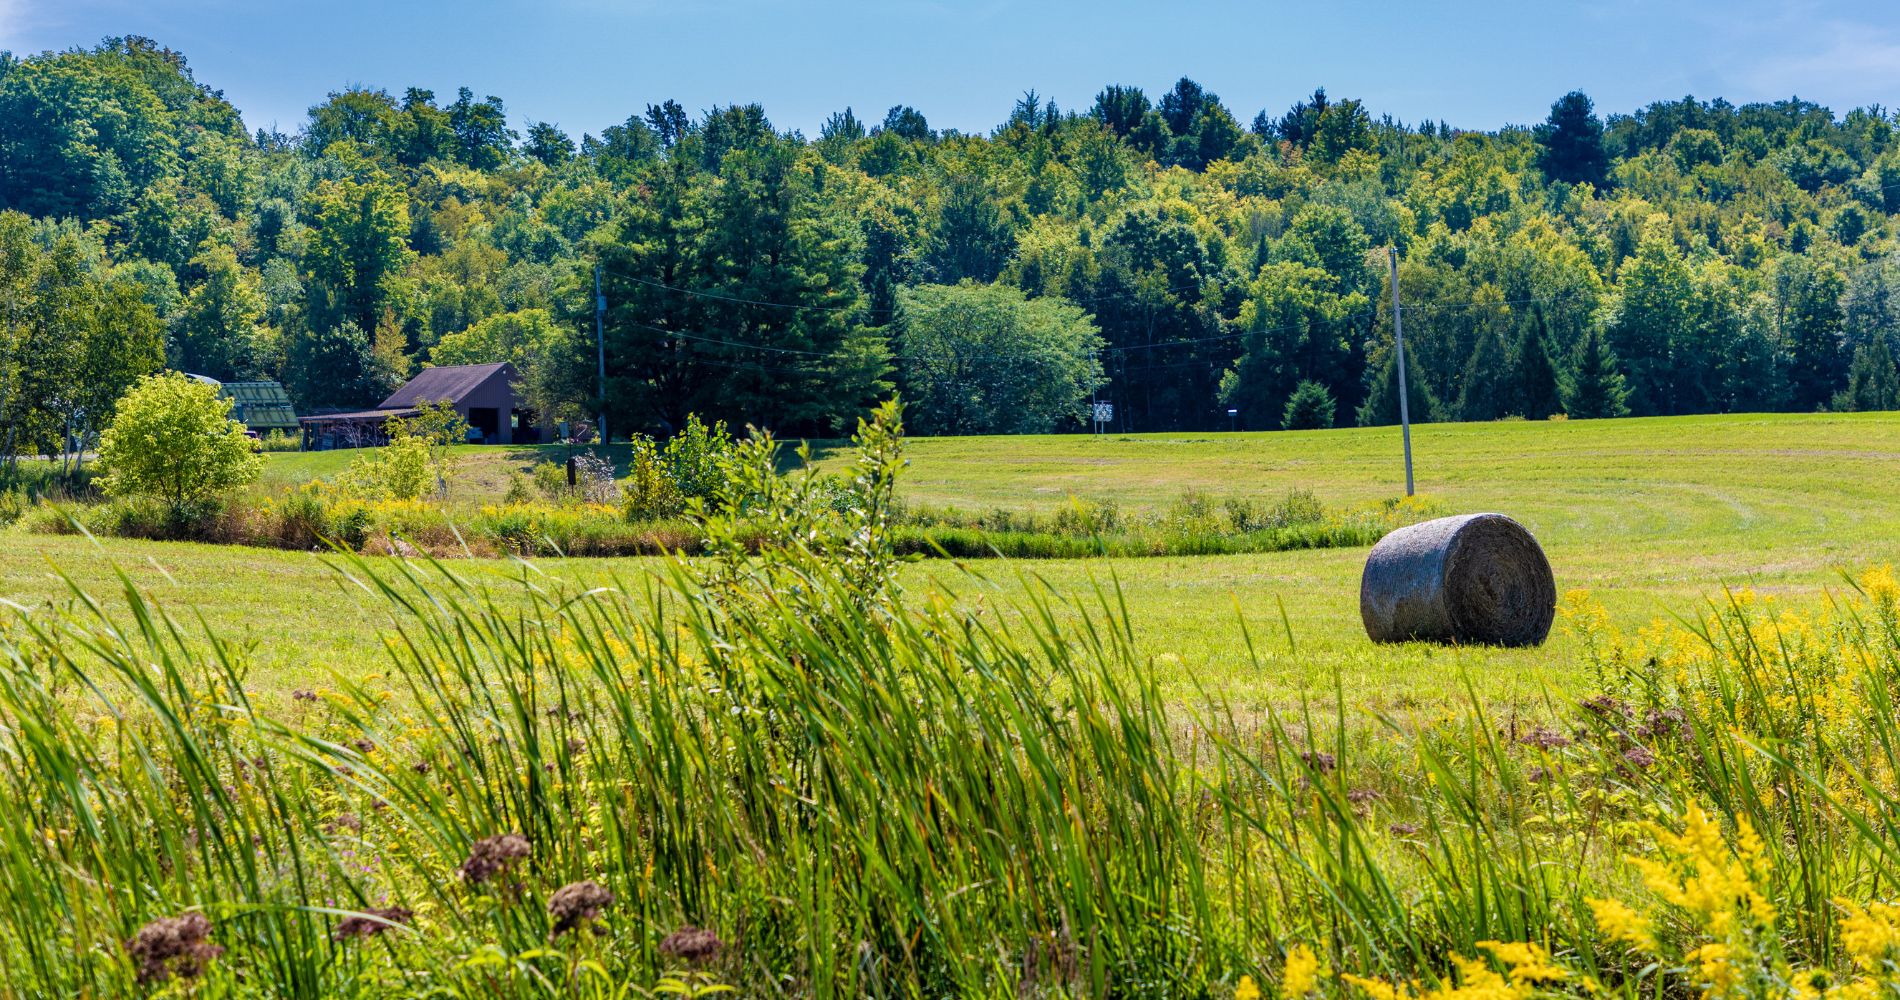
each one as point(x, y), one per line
point(1652, 516)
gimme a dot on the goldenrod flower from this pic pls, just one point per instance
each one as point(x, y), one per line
point(1302, 973)
point(1527, 962)
point(1616, 919)
point(1246, 990)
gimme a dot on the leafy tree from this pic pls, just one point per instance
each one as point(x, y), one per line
point(1295, 328)
point(482, 137)
point(983, 359)
point(218, 332)
point(1596, 387)
point(1570, 142)
point(1809, 294)
point(80, 136)
point(357, 252)
point(1343, 128)
point(1655, 311)
point(173, 440)
point(548, 144)
point(1156, 294)
point(1309, 408)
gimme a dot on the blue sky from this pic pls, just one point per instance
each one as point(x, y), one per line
point(586, 64)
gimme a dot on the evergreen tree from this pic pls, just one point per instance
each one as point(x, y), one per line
point(1487, 384)
point(1309, 408)
point(1536, 395)
point(1570, 143)
point(1596, 385)
point(1873, 380)
point(1381, 408)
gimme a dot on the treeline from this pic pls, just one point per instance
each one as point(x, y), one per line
point(1692, 256)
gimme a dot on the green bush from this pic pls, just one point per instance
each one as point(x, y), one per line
point(172, 440)
point(280, 441)
point(1310, 408)
point(400, 470)
point(551, 479)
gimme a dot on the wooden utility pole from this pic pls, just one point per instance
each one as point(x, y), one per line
point(600, 354)
point(1398, 343)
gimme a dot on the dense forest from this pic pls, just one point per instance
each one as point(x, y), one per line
point(1691, 256)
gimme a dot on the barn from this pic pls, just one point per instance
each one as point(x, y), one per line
point(484, 395)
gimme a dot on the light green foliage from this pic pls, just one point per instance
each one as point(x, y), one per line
point(983, 359)
point(172, 440)
point(692, 467)
point(400, 470)
point(417, 462)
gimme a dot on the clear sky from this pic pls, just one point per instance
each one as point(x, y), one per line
point(586, 64)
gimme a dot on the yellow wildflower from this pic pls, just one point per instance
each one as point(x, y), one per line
point(1716, 969)
point(1246, 990)
point(1869, 934)
point(1527, 962)
point(1302, 973)
point(1375, 988)
point(1616, 919)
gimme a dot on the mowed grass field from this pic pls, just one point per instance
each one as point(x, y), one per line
point(1652, 516)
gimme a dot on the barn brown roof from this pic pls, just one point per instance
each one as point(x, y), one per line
point(446, 382)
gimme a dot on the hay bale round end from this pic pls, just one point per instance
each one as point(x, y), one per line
point(1477, 578)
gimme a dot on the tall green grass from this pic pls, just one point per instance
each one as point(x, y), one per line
point(863, 791)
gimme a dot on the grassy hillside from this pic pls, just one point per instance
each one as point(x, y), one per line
point(1650, 515)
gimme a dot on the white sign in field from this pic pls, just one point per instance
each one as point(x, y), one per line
point(1104, 413)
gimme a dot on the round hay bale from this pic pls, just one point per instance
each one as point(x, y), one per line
point(1478, 578)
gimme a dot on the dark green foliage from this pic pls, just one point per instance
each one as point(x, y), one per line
point(1742, 262)
point(1381, 408)
point(1535, 393)
point(1597, 388)
point(1488, 383)
point(1873, 381)
point(337, 368)
point(982, 359)
point(1570, 142)
point(1309, 408)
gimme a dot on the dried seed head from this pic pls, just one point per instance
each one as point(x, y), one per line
point(691, 943)
point(492, 856)
point(372, 922)
point(173, 946)
point(1319, 760)
point(577, 904)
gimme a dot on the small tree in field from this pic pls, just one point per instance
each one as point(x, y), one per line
point(1310, 408)
point(173, 440)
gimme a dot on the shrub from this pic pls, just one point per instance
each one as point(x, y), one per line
point(173, 440)
point(1310, 408)
point(1083, 517)
point(400, 470)
point(277, 441)
point(14, 503)
point(551, 480)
